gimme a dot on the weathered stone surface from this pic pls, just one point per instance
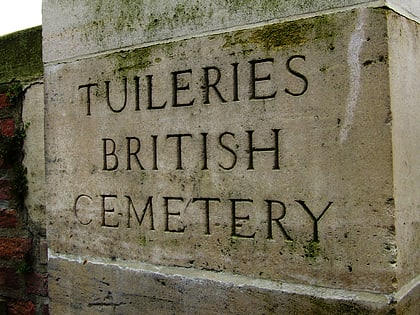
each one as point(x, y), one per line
point(404, 52)
point(34, 160)
point(25, 63)
point(132, 182)
point(106, 287)
point(95, 26)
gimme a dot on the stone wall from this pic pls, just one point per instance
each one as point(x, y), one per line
point(232, 156)
point(23, 250)
point(222, 157)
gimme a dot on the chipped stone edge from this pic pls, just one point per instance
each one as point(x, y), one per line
point(378, 299)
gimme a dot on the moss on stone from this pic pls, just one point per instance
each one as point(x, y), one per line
point(312, 249)
point(276, 36)
point(21, 56)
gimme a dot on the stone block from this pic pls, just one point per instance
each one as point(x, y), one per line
point(95, 26)
point(34, 160)
point(108, 287)
point(251, 168)
point(21, 56)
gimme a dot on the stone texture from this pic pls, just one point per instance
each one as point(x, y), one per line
point(121, 288)
point(408, 8)
point(235, 157)
point(21, 56)
point(404, 52)
point(34, 159)
point(95, 26)
point(334, 154)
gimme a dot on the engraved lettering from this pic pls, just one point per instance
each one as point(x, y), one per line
point(175, 88)
point(168, 214)
point(235, 218)
point(108, 100)
point(137, 86)
point(133, 154)
point(297, 74)
point(179, 147)
point(207, 210)
point(208, 85)
point(314, 219)
point(109, 155)
point(255, 79)
point(155, 160)
point(88, 86)
point(149, 205)
point(224, 146)
point(149, 79)
point(271, 220)
point(204, 151)
point(235, 82)
point(105, 210)
point(253, 149)
point(83, 196)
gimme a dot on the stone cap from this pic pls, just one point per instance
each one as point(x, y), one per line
point(78, 28)
point(21, 55)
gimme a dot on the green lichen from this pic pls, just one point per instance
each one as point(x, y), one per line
point(312, 249)
point(142, 240)
point(138, 59)
point(277, 36)
point(14, 92)
point(21, 55)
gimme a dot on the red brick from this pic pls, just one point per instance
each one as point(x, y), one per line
point(4, 101)
point(36, 283)
point(9, 279)
point(14, 248)
point(21, 308)
point(7, 127)
point(8, 218)
point(5, 189)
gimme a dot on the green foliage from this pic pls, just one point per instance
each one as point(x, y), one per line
point(14, 91)
point(20, 182)
point(24, 267)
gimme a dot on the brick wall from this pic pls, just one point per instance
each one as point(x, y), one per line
point(23, 250)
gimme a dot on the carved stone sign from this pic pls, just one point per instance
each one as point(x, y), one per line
point(260, 152)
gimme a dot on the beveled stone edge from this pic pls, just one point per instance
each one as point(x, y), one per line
point(369, 5)
point(374, 299)
point(399, 9)
point(412, 15)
